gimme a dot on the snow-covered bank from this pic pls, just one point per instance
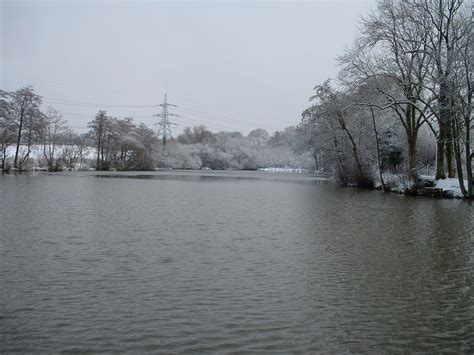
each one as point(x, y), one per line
point(283, 170)
point(428, 185)
point(37, 151)
point(72, 157)
point(451, 187)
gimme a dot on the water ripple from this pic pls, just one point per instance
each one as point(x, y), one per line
point(245, 264)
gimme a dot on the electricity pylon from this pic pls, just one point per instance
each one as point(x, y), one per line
point(164, 129)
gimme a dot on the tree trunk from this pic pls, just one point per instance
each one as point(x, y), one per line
point(4, 156)
point(20, 128)
point(449, 150)
point(469, 157)
point(355, 150)
point(412, 140)
point(444, 120)
point(458, 158)
point(470, 177)
point(27, 156)
point(107, 152)
point(342, 176)
point(411, 130)
point(315, 156)
point(98, 151)
point(377, 148)
point(440, 153)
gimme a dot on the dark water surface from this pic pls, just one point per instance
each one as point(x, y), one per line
point(222, 262)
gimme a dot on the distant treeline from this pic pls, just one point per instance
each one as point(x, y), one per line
point(31, 137)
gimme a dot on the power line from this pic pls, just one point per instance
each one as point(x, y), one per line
point(178, 107)
point(186, 122)
point(79, 115)
point(215, 116)
point(93, 104)
point(164, 124)
point(207, 123)
point(76, 114)
point(180, 117)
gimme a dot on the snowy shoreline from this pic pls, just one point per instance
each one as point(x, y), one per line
point(443, 188)
point(446, 189)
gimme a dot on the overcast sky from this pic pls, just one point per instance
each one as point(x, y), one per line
point(253, 63)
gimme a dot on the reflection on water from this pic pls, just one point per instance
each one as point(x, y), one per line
point(215, 176)
point(230, 261)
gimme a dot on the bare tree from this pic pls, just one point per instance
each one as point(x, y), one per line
point(21, 109)
point(99, 132)
point(7, 136)
point(73, 150)
point(443, 23)
point(392, 50)
point(463, 121)
point(52, 137)
point(331, 111)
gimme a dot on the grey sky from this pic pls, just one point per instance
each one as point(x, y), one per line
point(255, 62)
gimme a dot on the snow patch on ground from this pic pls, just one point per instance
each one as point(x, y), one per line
point(283, 170)
point(401, 184)
point(451, 185)
point(37, 151)
point(395, 182)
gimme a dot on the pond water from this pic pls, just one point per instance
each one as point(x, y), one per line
point(230, 261)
